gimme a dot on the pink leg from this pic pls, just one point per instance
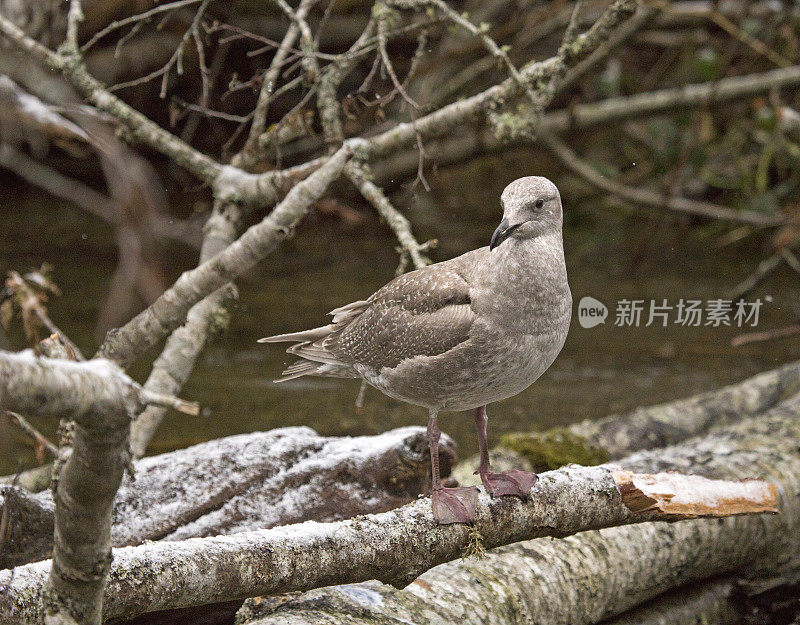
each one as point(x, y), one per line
point(514, 482)
point(450, 505)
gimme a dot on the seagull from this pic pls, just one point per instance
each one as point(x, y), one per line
point(460, 334)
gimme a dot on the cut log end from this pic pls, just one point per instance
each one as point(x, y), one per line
point(671, 495)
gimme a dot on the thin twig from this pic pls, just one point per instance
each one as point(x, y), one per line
point(176, 60)
point(384, 14)
point(133, 19)
point(74, 19)
point(181, 405)
point(265, 96)
point(647, 197)
point(169, 311)
point(31, 301)
point(766, 335)
point(790, 258)
point(409, 247)
point(489, 43)
point(764, 269)
point(755, 44)
point(39, 438)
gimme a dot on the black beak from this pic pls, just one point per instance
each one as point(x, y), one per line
point(504, 230)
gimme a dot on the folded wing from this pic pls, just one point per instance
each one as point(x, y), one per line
point(422, 313)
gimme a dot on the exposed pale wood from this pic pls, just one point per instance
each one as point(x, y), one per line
point(693, 495)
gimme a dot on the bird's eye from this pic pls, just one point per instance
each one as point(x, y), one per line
point(539, 203)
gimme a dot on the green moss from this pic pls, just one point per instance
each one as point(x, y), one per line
point(474, 548)
point(554, 448)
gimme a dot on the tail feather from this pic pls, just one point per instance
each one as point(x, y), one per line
point(298, 369)
point(300, 337)
point(348, 312)
point(309, 346)
point(315, 352)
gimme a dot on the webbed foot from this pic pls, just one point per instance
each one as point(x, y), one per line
point(514, 482)
point(454, 505)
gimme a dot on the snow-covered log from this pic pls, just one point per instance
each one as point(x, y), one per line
point(246, 482)
point(395, 547)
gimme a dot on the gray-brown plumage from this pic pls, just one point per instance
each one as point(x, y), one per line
point(459, 334)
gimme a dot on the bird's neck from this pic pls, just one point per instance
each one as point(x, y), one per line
point(529, 277)
point(532, 261)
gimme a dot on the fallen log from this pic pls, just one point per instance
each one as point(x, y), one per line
point(730, 600)
point(245, 482)
point(395, 547)
point(595, 575)
point(594, 441)
point(709, 604)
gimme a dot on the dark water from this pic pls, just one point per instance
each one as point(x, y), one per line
point(329, 263)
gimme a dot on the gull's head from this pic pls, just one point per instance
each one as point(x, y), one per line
point(531, 207)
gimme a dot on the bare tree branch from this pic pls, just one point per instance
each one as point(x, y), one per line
point(410, 248)
point(134, 19)
point(248, 154)
point(434, 124)
point(101, 400)
point(125, 344)
point(472, 140)
point(73, 388)
point(39, 439)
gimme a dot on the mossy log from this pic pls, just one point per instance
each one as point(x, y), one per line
point(596, 441)
point(595, 575)
point(244, 482)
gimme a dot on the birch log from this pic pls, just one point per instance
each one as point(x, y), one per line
point(245, 482)
point(598, 574)
point(593, 441)
point(393, 546)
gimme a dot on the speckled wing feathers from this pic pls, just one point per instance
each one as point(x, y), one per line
point(422, 313)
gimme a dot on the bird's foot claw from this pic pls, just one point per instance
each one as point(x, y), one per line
point(514, 482)
point(455, 505)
